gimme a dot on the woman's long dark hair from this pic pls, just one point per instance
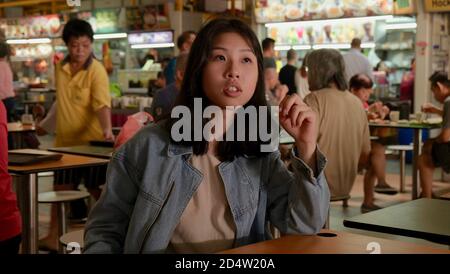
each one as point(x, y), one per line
point(192, 86)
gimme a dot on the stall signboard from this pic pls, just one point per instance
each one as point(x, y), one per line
point(31, 27)
point(301, 10)
point(437, 5)
point(402, 7)
point(148, 17)
point(102, 20)
point(155, 37)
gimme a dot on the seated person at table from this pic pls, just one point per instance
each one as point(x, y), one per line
point(10, 220)
point(171, 194)
point(436, 151)
point(343, 126)
point(361, 87)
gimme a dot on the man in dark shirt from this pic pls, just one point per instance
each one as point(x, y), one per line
point(287, 73)
point(268, 47)
point(165, 98)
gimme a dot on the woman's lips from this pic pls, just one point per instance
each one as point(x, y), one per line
point(232, 91)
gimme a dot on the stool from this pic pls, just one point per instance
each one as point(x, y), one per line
point(75, 239)
point(60, 198)
point(402, 150)
point(344, 199)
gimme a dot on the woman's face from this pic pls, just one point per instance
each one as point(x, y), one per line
point(363, 94)
point(80, 48)
point(231, 72)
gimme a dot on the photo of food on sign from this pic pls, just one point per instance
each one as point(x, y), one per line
point(281, 10)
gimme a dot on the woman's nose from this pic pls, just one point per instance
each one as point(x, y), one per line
point(233, 74)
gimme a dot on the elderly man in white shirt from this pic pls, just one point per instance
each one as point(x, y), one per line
point(356, 62)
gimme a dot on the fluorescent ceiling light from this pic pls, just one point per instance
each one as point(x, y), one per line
point(367, 45)
point(149, 46)
point(329, 21)
point(29, 41)
point(278, 48)
point(322, 46)
point(110, 35)
point(302, 47)
point(400, 19)
point(401, 26)
point(331, 46)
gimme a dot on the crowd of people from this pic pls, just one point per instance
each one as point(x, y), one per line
point(201, 195)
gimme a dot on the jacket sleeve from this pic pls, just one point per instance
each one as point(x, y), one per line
point(108, 221)
point(298, 202)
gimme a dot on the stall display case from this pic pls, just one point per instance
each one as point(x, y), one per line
point(302, 10)
point(387, 40)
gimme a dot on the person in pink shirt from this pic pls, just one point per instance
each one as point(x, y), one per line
point(10, 219)
point(361, 87)
point(6, 82)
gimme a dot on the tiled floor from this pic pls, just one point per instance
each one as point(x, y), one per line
point(337, 214)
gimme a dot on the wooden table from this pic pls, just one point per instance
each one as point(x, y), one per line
point(427, 219)
point(27, 190)
point(339, 243)
point(92, 151)
point(417, 141)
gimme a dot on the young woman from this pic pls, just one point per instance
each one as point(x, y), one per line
point(205, 196)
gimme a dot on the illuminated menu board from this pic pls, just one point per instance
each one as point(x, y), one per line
point(156, 37)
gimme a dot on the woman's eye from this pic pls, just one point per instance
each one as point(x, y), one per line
point(219, 58)
point(247, 60)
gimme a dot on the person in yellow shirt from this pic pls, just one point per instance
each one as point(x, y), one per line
point(83, 111)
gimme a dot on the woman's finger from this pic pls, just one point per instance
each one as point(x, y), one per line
point(296, 110)
point(288, 102)
point(304, 116)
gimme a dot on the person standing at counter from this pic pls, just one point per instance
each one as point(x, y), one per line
point(356, 62)
point(407, 85)
point(287, 73)
point(184, 44)
point(83, 111)
point(268, 47)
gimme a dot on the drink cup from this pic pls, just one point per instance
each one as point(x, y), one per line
point(394, 116)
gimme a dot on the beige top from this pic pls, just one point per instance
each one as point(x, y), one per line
point(207, 225)
point(343, 136)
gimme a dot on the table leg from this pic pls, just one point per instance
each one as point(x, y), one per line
point(27, 196)
point(415, 168)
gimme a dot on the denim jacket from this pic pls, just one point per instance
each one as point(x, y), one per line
point(150, 182)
